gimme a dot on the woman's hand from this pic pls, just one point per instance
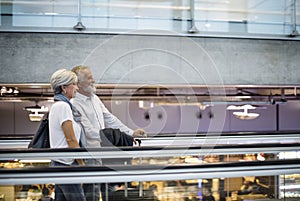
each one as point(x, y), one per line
point(68, 130)
point(80, 162)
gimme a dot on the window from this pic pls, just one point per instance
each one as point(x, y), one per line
point(229, 17)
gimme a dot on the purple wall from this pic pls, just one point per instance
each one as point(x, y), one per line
point(168, 119)
point(190, 119)
point(265, 122)
point(289, 114)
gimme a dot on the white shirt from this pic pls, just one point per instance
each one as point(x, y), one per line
point(59, 113)
point(95, 116)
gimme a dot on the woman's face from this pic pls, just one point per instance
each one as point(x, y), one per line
point(70, 90)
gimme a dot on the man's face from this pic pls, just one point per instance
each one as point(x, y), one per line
point(87, 83)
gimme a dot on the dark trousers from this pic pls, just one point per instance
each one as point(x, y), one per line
point(68, 192)
point(92, 191)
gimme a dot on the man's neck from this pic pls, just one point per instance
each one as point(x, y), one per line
point(85, 93)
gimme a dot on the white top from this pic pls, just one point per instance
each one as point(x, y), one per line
point(95, 116)
point(59, 113)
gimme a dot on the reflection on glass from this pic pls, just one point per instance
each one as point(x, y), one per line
point(213, 189)
point(235, 16)
point(218, 189)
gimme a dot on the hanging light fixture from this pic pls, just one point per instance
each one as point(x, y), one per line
point(244, 115)
point(35, 115)
point(79, 26)
point(9, 91)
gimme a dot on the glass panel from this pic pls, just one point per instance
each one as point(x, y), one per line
point(216, 189)
point(154, 185)
point(228, 189)
point(290, 186)
point(269, 18)
point(246, 16)
point(45, 13)
point(132, 15)
point(237, 17)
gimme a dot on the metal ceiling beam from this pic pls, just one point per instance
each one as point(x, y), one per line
point(177, 93)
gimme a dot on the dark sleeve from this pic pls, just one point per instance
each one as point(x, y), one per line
point(107, 137)
point(125, 140)
point(115, 137)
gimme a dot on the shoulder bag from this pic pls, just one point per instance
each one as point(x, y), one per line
point(41, 137)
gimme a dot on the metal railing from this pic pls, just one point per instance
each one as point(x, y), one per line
point(130, 173)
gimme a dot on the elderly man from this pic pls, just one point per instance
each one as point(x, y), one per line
point(95, 116)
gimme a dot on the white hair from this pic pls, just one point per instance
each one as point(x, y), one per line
point(79, 71)
point(60, 78)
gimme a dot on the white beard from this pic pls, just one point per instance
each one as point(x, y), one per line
point(90, 89)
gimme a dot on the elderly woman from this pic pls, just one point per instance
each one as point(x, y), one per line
point(65, 129)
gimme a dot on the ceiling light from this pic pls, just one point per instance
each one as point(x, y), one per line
point(242, 97)
point(37, 108)
point(245, 115)
point(240, 107)
point(146, 104)
point(16, 91)
point(3, 90)
point(35, 115)
point(79, 26)
point(233, 107)
point(9, 91)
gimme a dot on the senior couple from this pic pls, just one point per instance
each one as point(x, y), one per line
point(77, 116)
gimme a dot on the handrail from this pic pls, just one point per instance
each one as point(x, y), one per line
point(146, 172)
point(189, 139)
point(129, 152)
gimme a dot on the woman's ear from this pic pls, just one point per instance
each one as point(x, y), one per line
point(63, 89)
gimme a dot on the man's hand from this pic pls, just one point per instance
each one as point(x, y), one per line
point(139, 133)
